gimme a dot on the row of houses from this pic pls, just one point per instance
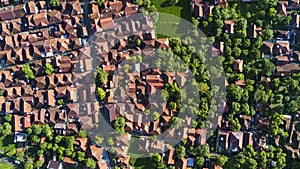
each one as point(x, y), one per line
point(34, 34)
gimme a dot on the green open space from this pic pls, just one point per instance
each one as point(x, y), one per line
point(135, 159)
point(181, 9)
point(169, 24)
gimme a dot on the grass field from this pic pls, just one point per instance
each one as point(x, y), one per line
point(141, 163)
point(135, 160)
point(181, 9)
point(168, 24)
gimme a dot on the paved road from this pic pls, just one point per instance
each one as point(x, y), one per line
point(85, 4)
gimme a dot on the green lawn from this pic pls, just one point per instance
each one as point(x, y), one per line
point(6, 166)
point(135, 160)
point(141, 163)
point(182, 9)
point(169, 24)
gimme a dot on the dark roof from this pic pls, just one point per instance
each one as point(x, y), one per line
point(53, 164)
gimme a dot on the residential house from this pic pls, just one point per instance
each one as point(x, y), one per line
point(254, 30)
point(54, 165)
point(229, 26)
point(267, 49)
point(238, 65)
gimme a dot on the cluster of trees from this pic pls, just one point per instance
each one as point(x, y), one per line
point(119, 125)
point(147, 5)
point(49, 69)
point(171, 93)
point(281, 96)
point(54, 3)
point(248, 158)
point(100, 75)
point(27, 72)
point(5, 126)
point(100, 78)
point(62, 146)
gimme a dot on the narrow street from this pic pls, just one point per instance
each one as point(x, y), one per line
point(85, 6)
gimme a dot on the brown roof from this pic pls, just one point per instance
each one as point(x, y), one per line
point(40, 19)
point(254, 30)
point(238, 65)
point(96, 152)
point(54, 16)
point(281, 7)
point(69, 160)
point(17, 123)
point(6, 14)
point(182, 164)
point(83, 143)
point(261, 122)
point(19, 10)
point(267, 48)
point(236, 140)
point(169, 157)
point(31, 7)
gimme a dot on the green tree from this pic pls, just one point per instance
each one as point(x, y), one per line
point(11, 152)
point(99, 139)
point(119, 124)
point(90, 163)
point(199, 161)
point(138, 42)
point(82, 134)
point(176, 122)
point(54, 3)
point(101, 93)
point(38, 164)
point(58, 139)
point(49, 69)
point(221, 160)
point(70, 141)
point(127, 68)
point(235, 125)
point(100, 2)
point(180, 152)
point(8, 117)
point(101, 75)
point(48, 131)
point(203, 150)
point(80, 156)
point(139, 58)
point(60, 102)
point(37, 129)
point(157, 158)
point(195, 22)
point(35, 139)
point(2, 92)
point(29, 164)
point(110, 141)
point(28, 72)
point(155, 115)
point(267, 34)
